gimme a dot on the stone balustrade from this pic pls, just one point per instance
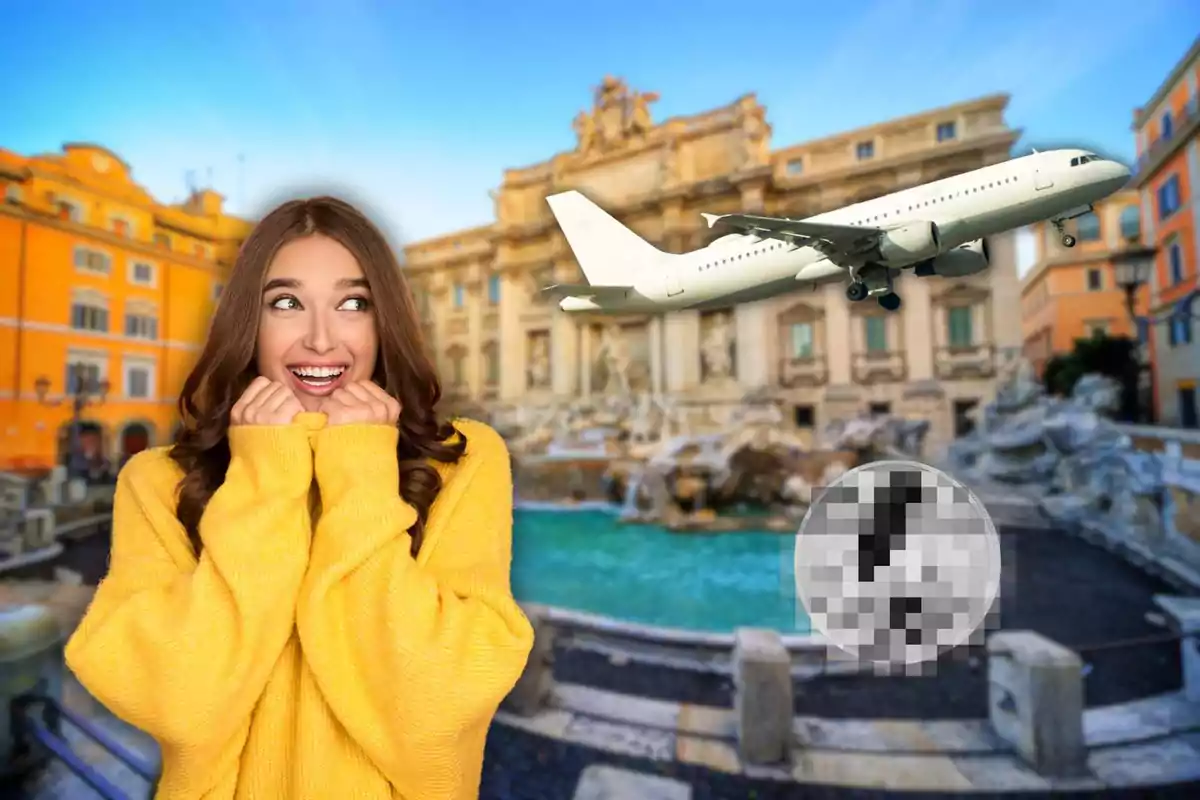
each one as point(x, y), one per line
point(1035, 685)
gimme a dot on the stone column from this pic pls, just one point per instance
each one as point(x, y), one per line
point(585, 359)
point(656, 354)
point(752, 345)
point(838, 335)
point(476, 299)
point(512, 337)
point(918, 322)
point(682, 330)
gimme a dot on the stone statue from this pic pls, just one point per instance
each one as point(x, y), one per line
point(539, 362)
point(718, 362)
point(669, 166)
point(611, 100)
point(585, 130)
point(754, 137)
point(614, 361)
point(640, 121)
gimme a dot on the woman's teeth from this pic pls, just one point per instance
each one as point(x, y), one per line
point(318, 376)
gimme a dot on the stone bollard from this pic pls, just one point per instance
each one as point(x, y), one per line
point(762, 699)
point(532, 689)
point(1035, 701)
point(1184, 616)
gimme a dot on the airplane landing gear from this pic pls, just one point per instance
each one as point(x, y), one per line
point(1067, 239)
point(857, 291)
point(889, 301)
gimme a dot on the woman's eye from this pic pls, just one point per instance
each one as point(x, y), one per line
point(355, 304)
point(285, 303)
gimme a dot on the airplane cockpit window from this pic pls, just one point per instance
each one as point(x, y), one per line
point(1090, 157)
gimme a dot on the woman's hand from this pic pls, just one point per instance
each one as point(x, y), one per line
point(361, 403)
point(265, 402)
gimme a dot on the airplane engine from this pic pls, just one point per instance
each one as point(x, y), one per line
point(972, 257)
point(909, 243)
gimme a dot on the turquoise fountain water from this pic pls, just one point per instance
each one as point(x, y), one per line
point(587, 561)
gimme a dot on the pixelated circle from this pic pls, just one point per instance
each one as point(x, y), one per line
point(896, 563)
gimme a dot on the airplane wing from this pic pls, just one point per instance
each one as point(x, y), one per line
point(832, 240)
point(598, 293)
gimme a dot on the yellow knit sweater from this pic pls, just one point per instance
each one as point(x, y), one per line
point(315, 663)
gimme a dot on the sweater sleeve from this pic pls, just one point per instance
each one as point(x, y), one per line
point(413, 656)
point(182, 648)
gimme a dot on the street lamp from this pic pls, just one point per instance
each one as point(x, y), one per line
point(1132, 268)
point(86, 392)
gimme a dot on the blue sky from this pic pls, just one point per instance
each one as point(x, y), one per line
point(415, 108)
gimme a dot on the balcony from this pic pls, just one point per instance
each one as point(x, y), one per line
point(958, 363)
point(1185, 124)
point(879, 367)
point(803, 371)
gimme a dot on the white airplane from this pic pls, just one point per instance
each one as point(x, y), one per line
point(937, 228)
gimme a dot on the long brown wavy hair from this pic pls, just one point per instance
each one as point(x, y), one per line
point(227, 363)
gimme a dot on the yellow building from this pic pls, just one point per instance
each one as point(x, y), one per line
point(1071, 292)
point(99, 281)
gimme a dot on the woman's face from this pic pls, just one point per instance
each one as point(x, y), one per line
point(317, 329)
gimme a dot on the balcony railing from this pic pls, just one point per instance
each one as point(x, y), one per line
point(1184, 125)
point(972, 361)
point(884, 366)
point(803, 371)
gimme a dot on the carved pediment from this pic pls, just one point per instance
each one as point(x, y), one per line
point(961, 294)
point(618, 117)
point(801, 312)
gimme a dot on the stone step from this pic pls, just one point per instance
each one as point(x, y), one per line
point(603, 782)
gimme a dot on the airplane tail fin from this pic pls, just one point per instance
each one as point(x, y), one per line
point(608, 253)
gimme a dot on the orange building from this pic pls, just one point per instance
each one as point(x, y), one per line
point(100, 286)
point(1071, 293)
point(1167, 174)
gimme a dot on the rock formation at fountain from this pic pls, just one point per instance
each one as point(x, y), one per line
point(1064, 452)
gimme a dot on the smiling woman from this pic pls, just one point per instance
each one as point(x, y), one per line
point(284, 612)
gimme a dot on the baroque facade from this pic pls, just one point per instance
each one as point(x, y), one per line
point(499, 342)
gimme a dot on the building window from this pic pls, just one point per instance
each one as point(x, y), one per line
point(946, 131)
point(141, 326)
point(491, 357)
point(1096, 328)
point(879, 409)
point(200, 250)
point(795, 166)
point(1188, 416)
point(864, 150)
point(89, 316)
point(141, 273)
point(494, 289)
point(12, 194)
point(82, 376)
point(804, 416)
point(95, 261)
point(1088, 227)
point(139, 380)
point(876, 334)
point(122, 226)
point(1175, 262)
point(1095, 280)
point(959, 329)
point(1168, 125)
point(1168, 197)
point(1131, 223)
point(68, 211)
point(1179, 332)
point(162, 240)
point(460, 295)
point(802, 340)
